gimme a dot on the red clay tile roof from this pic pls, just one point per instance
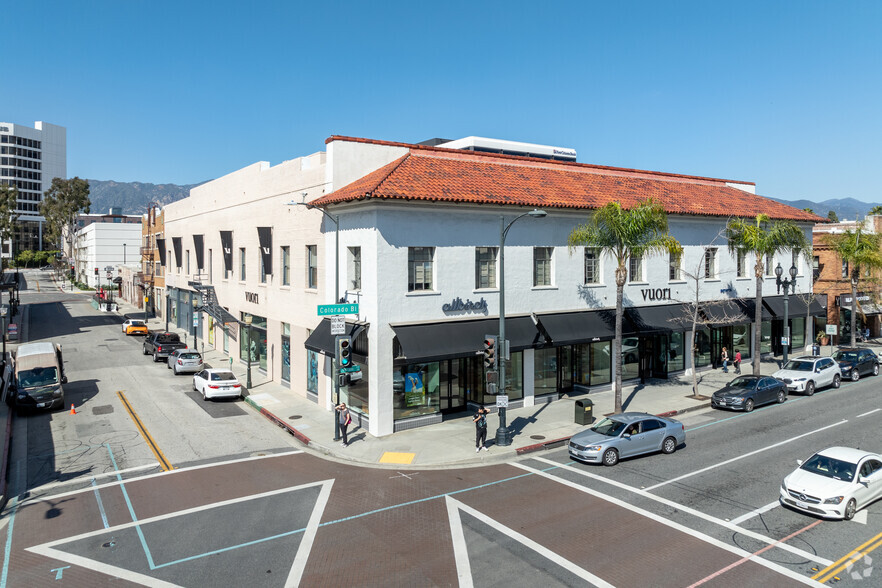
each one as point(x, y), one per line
point(444, 175)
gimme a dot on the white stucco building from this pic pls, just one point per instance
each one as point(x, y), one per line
point(419, 234)
point(101, 249)
point(29, 159)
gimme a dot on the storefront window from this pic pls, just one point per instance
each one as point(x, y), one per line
point(676, 354)
point(514, 377)
point(581, 364)
point(765, 337)
point(256, 347)
point(355, 394)
point(741, 341)
point(467, 375)
point(630, 358)
point(545, 371)
point(702, 347)
point(416, 390)
point(600, 363)
point(797, 333)
point(286, 352)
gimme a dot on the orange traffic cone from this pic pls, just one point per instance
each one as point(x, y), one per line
point(72, 409)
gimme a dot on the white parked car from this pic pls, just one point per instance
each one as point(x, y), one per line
point(185, 361)
point(834, 483)
point(808, 373)
point(217, 383)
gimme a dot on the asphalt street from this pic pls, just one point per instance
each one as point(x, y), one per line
point(238, 504)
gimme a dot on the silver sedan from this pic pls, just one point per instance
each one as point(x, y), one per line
point(185, 361)
point(626, 435)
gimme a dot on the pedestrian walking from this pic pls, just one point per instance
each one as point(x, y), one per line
point(344, 418)
point(480, 421)
point(724, 356)
point(737, 361)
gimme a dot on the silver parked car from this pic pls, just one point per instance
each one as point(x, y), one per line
point(807, 373)
point(627, 435)
point(185, 361)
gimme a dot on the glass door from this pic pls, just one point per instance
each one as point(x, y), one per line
point(660, 356)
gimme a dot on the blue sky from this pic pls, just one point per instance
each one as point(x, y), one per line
point(785, 94)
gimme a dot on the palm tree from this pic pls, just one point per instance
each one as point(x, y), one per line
point(624, 234)
point(860, 250)
point(763, 237)
point(876, 210)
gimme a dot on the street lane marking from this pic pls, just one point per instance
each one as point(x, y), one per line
point(460, 550)
point(163, 462)
point(689, 510)
point(400, 458)
point(871, 412)
point(151, 476)
point(100, 504)
point(454, 505)
point(51, 485)
point(755, 553)
point(658, 518)
point(754, 513)
point(734, 459)
point(852, 556)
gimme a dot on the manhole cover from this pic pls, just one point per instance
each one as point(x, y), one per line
point(294, 417)
point(104, 409)
point(537, 437)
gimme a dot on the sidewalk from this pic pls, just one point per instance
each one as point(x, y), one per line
point(451, 443)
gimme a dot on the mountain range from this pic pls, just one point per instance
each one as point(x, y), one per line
point(135, 197)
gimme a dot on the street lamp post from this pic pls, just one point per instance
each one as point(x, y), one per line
point(124, 253)
point(336, 220)
point(503, 433)
point(787, 285)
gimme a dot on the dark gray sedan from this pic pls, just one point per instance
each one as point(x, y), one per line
point(746, 392)
point(626, 435)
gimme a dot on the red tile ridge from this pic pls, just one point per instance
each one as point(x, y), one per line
point(525, 158)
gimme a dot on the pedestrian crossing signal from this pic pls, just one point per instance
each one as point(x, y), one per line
point(490, 352)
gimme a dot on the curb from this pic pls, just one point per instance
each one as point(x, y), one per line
point(278, 422)
point(4, 463)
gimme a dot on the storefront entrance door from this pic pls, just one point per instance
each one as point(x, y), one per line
point(660, 356)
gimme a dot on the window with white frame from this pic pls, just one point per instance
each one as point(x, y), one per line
point(770, 265)
point(312, 267)
point(741, 263)
point(710, 263)
point(592, 265)
point(635, 269)
point(795, 260)
point(542, 266)
point(485, 267)
point(353, 268)
point(187, 260)
point(675, 266)
point(420, 268)
point(286, 266)
point(210, 267)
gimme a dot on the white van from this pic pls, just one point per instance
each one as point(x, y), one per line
point(38, 376)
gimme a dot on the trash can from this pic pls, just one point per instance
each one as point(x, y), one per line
point(816, 350)
point(584, 412)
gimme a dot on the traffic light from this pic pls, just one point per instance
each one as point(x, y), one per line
point(344, 351)
point(490, 352)
point(96, 271)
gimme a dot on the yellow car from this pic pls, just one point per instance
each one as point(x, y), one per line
point(134, 327)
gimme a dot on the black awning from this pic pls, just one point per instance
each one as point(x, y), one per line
point(199, 247)
point(322, 341)
point(227, 246)
point(738, 311)
point(449, 339)
point(179, 254)
point(583, 326)
point(797, 306)
point(265, 239)
point(160, 246)
point(658, 319)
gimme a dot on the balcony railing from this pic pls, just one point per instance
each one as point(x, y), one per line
point(147, 251)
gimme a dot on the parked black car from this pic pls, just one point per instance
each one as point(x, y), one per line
point(746, 392)
point(162, 344)
point(855, 362)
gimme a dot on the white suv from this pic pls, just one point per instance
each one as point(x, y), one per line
point(808, 373)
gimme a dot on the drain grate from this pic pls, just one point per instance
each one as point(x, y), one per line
point(103, 409)
point(294, 417)
point(537, 437)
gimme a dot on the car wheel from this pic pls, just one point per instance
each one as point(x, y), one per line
point(855, 374)
point(781, 397)
point(175, 370)
point(155, 358)
point(836, 381)
point(144, 349)
point(810, 388)
point(204, 397)
point(669, 446)
point(748, 406)
point(610, 457)
point(875, 369)
point(850, 509)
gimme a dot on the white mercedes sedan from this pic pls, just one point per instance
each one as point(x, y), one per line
point(834, 483)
